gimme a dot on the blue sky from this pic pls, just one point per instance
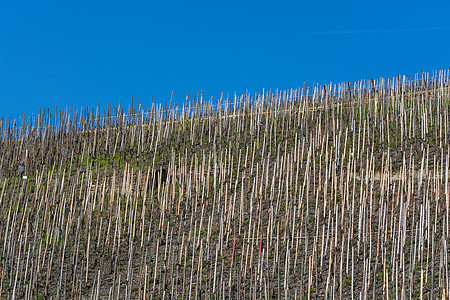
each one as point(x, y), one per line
point(77, 54)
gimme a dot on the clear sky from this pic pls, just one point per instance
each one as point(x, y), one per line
point(77, 54)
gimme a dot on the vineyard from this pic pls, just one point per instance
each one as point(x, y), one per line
point(329, 192)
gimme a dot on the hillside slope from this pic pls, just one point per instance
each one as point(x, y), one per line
point(341, 195)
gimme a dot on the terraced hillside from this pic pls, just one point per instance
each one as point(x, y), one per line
point(331, 192)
